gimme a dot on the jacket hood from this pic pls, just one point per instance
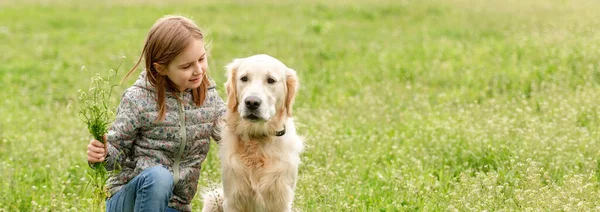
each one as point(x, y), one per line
point(143, 83)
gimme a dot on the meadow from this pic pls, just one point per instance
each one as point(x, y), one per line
point(430, 105)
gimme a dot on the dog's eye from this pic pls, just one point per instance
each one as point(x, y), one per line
point(244, 78)
point(271, 80)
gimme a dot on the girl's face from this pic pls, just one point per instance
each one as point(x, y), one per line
point(187, 69)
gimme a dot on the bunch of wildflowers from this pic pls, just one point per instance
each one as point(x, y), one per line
point(96, 110)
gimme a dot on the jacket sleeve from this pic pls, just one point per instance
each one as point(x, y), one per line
point(219, 121)
point(123, 132)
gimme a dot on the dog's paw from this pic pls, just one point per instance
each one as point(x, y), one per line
point(213, 200)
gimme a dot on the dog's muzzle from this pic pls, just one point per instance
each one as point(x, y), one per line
point(252, 105)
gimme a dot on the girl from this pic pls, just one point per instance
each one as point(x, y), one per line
point(161, 132)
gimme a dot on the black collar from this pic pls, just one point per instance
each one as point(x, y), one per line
point(280, 133)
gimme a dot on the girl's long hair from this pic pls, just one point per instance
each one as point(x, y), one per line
point(167, 38)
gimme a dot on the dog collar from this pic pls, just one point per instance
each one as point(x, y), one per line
point(280, 133)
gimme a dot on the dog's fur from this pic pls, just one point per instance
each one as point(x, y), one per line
point(259, 169)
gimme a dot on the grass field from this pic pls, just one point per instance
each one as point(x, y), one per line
point(406, 105)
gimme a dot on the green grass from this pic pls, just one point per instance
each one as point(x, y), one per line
point(406, 105)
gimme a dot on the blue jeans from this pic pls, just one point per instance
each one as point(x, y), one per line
point(149, 191)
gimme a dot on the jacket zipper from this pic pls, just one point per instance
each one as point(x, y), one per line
point(181, 143)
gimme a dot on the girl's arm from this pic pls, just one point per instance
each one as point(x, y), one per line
point(122, 132)
point(219, 121)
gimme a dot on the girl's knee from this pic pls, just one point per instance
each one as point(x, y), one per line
point(160, 177)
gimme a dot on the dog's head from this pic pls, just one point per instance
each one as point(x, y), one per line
point(260, 88)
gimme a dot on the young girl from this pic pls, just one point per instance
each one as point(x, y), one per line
point(161, 132)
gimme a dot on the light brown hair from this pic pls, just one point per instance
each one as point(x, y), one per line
point(169, 37)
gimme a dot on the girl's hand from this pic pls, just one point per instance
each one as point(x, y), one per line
point(96, 151)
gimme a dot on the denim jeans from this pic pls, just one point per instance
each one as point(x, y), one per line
point(149, 191)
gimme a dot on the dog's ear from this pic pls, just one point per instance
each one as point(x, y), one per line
point(291, 82)
point(230, 85)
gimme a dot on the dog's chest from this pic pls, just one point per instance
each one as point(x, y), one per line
point(252, 155)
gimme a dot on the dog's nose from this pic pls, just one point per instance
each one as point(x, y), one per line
point(252, 102)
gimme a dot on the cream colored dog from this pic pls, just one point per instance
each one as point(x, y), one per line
point(259, 150)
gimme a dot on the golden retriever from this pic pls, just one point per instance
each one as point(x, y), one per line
point(259, 149)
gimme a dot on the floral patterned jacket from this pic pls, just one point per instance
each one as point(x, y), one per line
point(179, 143)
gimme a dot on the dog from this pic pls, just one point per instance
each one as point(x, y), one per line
point(259, 148)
